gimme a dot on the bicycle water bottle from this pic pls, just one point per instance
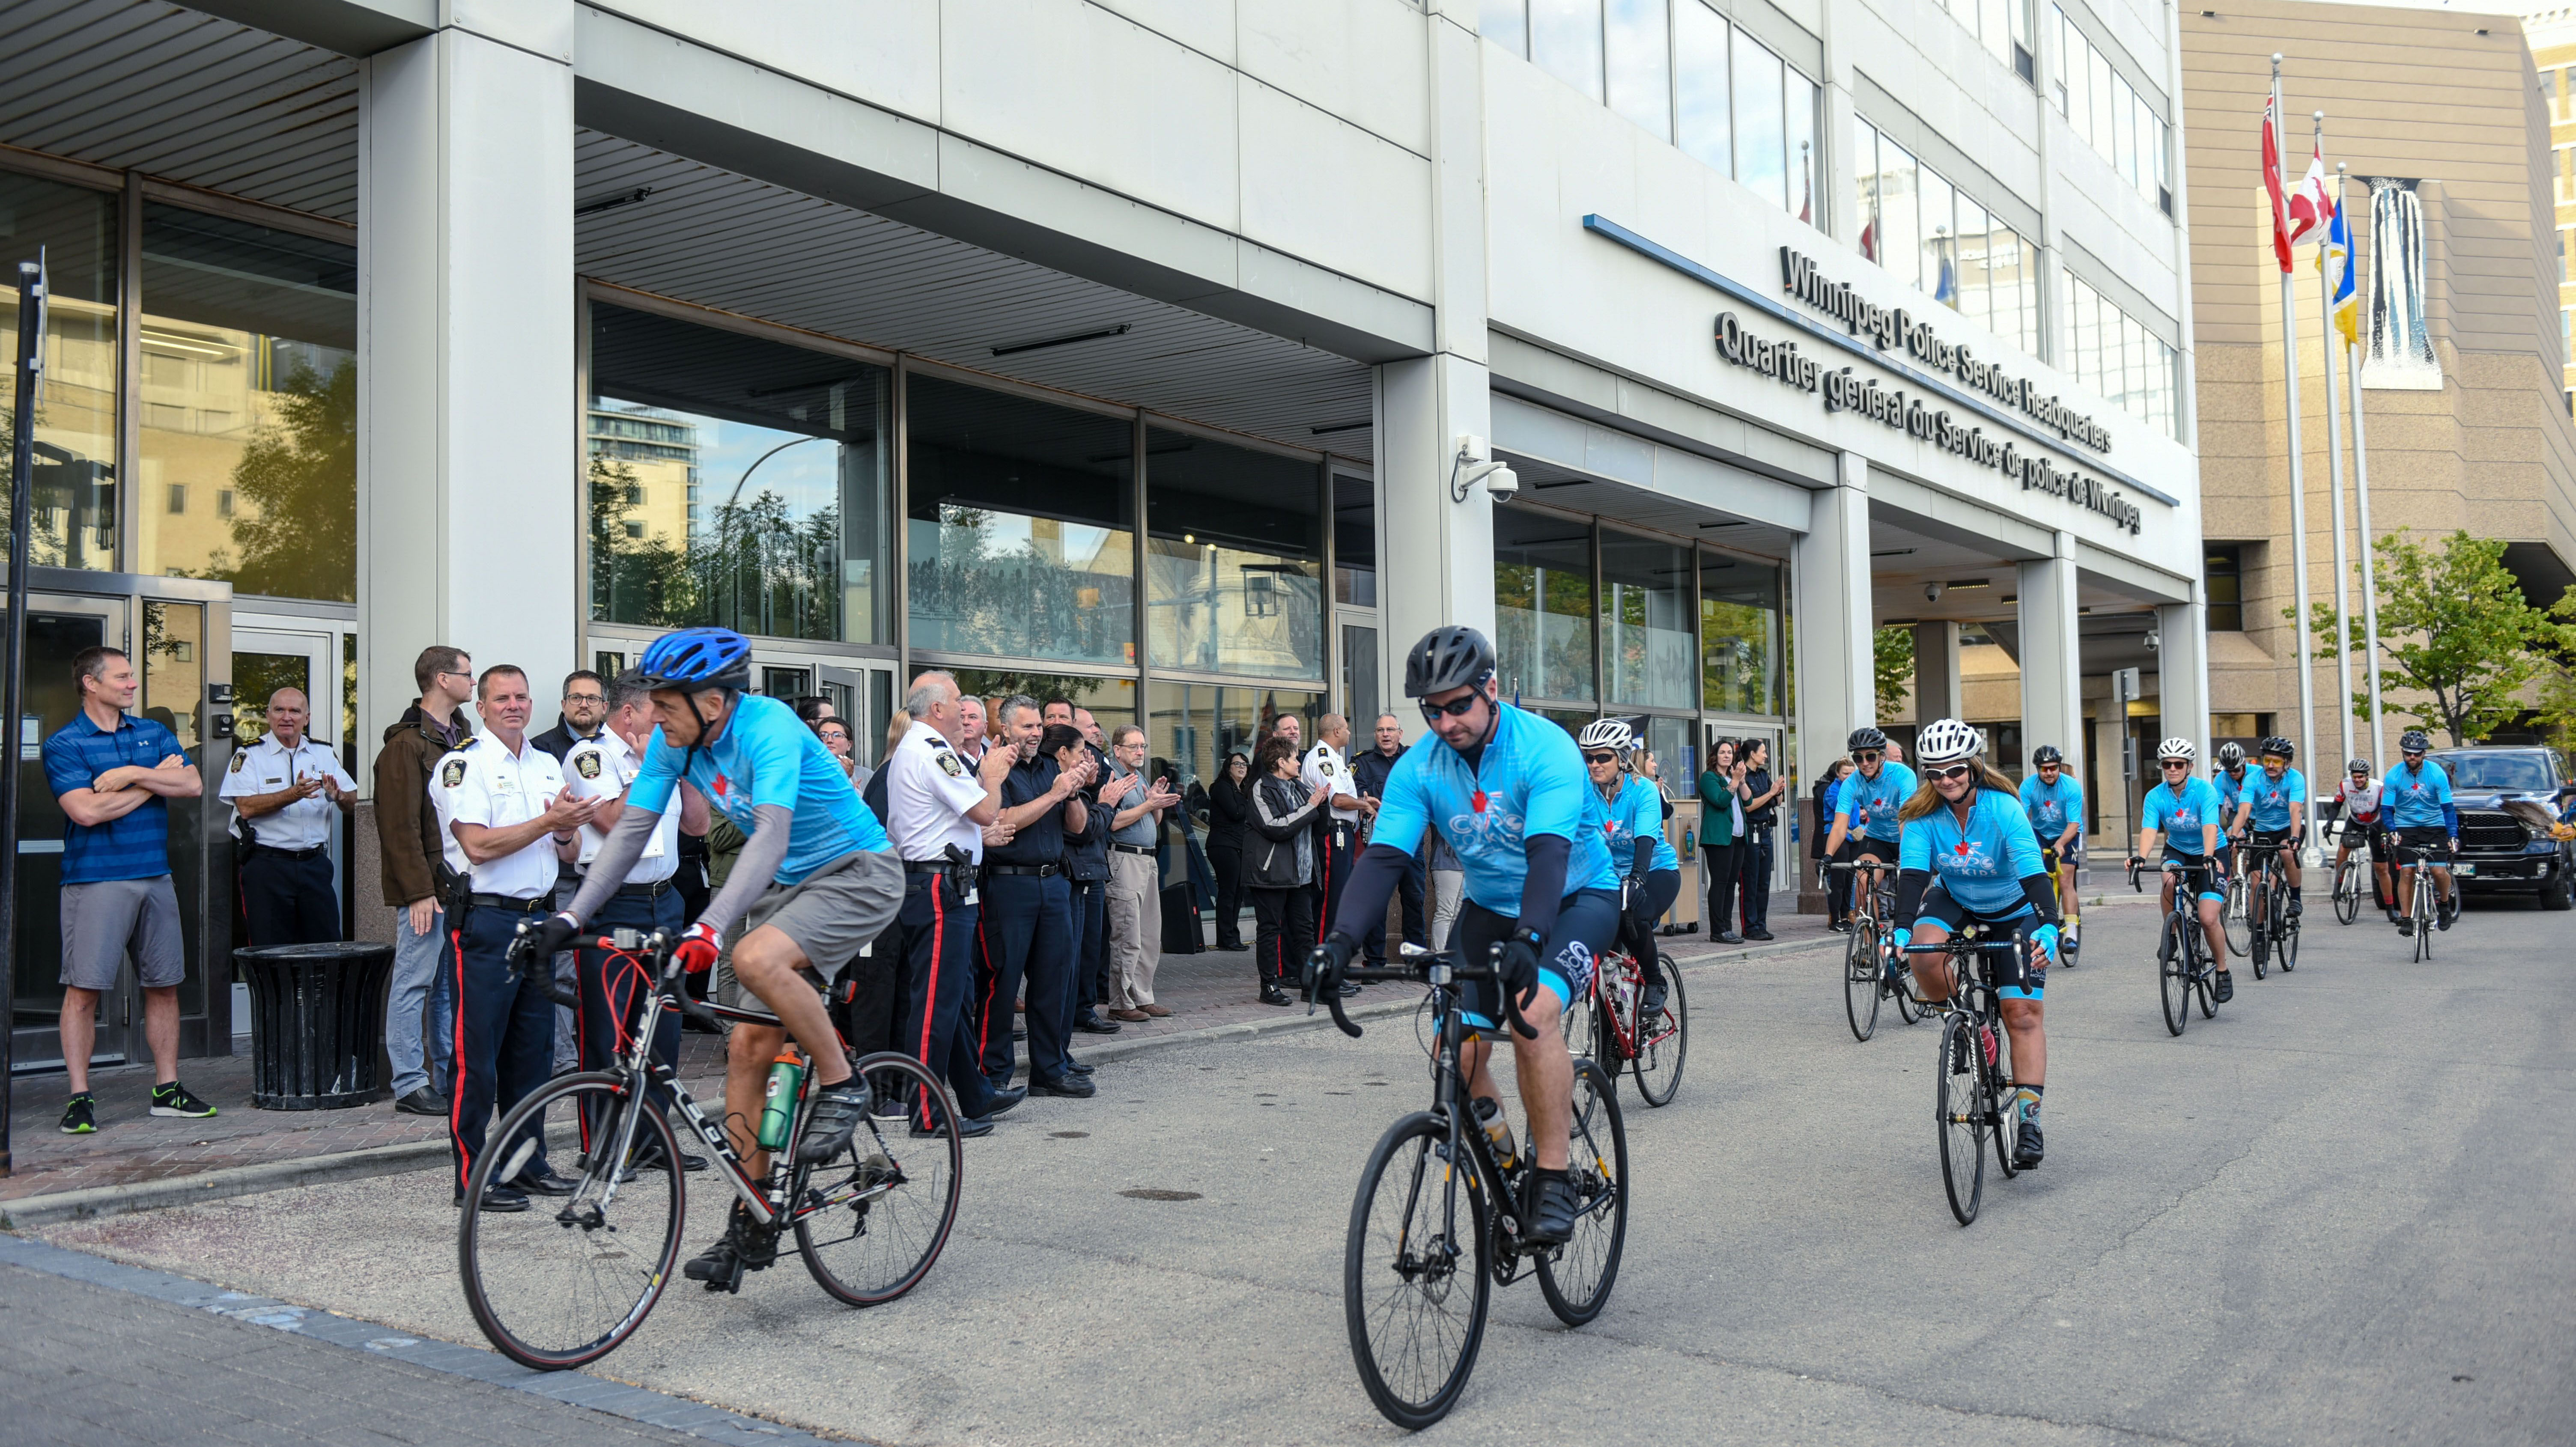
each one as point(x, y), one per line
point(778, 1113)
point(1498, 1130)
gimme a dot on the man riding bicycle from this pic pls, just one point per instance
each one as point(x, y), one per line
point(1865, 827)
point(2416, 798)
point(2054, 803)
point(817, 880)
point(2272, 814)
point(1509, 795)
point(2227, 776)
point(1639, 852)
point(2183, 812)
point(1969, 856)
point(2364, 828)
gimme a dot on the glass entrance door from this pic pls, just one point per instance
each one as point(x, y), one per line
point(266, 659)
point(58, 628)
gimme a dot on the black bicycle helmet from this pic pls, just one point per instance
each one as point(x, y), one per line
point(1454, 656)
point(1865, 737)
point(2277, 747)
point(2413, 741)
point(2046, 754)
point(2358, 766)
point(696, 658)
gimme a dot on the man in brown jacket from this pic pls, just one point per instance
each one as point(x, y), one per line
point(408, 843)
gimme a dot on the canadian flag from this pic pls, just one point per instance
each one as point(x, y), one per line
point(2311, 206)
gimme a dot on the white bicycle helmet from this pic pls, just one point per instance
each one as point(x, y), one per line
point(1947, 741)
point(1607, 733)
point(2176, 747)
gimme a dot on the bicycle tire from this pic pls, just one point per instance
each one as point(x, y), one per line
point(1908, 1009)
point(1664, 1044)
point(2347, 891)
point(2233, 925)
point(1410, 1150)
point(2285, 951)
point(1958, 1118)
point(1587, 1027)
point(2006, 1121)
point(1860, 980)
point(2173, 971)
point(2425, 908)
point(2264, 903)
point(547, 1288)
point(912, 1226)
point(1577, 1277)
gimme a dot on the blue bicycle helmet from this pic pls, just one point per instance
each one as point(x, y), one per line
point(695, 658)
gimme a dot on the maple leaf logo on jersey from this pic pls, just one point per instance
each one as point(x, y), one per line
point(1969, 856)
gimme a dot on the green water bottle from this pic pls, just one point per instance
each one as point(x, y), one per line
point(778, 1114)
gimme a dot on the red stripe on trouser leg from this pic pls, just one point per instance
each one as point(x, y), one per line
point(930, 999)
point(456, 1069)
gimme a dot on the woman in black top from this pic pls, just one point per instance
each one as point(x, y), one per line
point(1279, 864)
point(1229, 812)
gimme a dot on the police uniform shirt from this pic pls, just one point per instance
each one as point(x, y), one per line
point(484, 783)
point(1326, 768)
point(929, 787)
point(268, 767)
point(1041, 840)
point(601, 768)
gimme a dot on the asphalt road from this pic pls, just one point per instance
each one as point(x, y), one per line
point(2335, 1213)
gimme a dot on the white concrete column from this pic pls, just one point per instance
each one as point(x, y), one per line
point(1937, 691)
point(468, 492)
point(1835, 618)
point(2052, 659)
point(2182, 672)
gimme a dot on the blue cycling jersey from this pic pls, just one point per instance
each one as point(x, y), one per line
point(2180, 816)
point(2416, 797)
point(2051, 807)
point(1869, 805)
point(1529, 780)
point(765, 756)
point(2231, 792)
point(2272, 798)
point(1981, 863)
point(1637, 813)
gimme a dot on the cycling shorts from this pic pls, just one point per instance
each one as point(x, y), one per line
point(2208, 884)
point(2053, 861)
point(1854, 845)
point(2014, 979)
point(1586, 924)
point(2432, 838)
point(2271, 839)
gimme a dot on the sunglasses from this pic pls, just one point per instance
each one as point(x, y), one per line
point(1955, 771)
point(2174, 764)
point(1870, 757)
point(1600, 758)
point(1454, 708)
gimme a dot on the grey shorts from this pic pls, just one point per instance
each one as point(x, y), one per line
point(835, 912)
point(102, 921)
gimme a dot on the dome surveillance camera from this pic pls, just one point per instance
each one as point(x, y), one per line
point(1931, 592)
point(1502, 482)
point(2155, 640)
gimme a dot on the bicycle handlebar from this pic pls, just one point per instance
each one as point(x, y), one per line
point(656, 947)
point(1324, 980)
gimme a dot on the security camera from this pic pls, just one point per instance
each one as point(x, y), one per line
point(1502, 482)
point(2155, 640)
point(1931, 592)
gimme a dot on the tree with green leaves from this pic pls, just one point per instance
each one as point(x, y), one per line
point(1893, 667)
point(2458, 642)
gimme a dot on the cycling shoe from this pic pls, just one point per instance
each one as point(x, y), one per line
point(1552, 1210)
point(2027, 1146)
point(1653, 1003)
point(2226, 986)
point(838, 1109)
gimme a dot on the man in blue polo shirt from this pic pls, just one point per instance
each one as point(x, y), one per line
point(113, 773)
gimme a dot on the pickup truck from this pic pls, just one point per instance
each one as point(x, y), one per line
point(2509, 799)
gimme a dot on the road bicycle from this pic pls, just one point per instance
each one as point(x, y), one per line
point(2184, 970)
point(2235, 921)
point(1872, 969)
point(1606, 1026)
point(2353, 878)
point(2423, 900)
point(1972, 1079)
point(563, 1283)
point(2275, 931)
point(1436, 1221)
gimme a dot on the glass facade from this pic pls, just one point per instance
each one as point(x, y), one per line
point(1935, 237)
point(75, 502)
point(1645, 621)
point(1543, 604)
point(1234, 559)
point(1195, 725)
point(248, 470)
point(2118, 356)
point(1741, 652)
point(2110, 115)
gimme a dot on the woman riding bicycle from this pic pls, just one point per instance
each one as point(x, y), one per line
point(1966, 825)
point(2184, 812)
point(1638, 851)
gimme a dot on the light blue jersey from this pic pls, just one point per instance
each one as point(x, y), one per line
point(1868, 806)
point(2180, 817)
point(1637, 813)
point(1981, 863)
point(2272, 798)
point(2231, 792)
point(1529, 780)
point(2416, 796)
point(765, 756)
point(2051, 807)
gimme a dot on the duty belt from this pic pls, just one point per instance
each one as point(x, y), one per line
point(1041, 870)
point(1145, 849)
point(503, 901)
point(257, 850)
point(928, 866)
point(655, 890)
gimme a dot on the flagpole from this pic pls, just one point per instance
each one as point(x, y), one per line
point(2361, 498)
point(2326, 289)
point(2298, 506)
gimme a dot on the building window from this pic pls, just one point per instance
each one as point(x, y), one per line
point(1543, 604)
point(178, 497)
point(1646, 621)
point(2223, 581)
point(793, 442)
point(1942, 241)
point(75, 492)
point(2119, 357)
point(1234, 559)
point(2002, 26)
point(2109, 115)
point(1740, 635)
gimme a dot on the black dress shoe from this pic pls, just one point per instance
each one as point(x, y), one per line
point(1073, 1086)
point(1273, 995)
point(1004, 1099)
point(421, 1102)
point(1757, 934)
point(543, 1183)
point(1076, 1067)
point(1093, 1025)
point(1729, 937)
point(498, 1198)
point(968, 1127)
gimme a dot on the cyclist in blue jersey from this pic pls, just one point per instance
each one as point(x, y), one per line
point(2227, 776)
point(2055, 804)
point(2415, 799)
point(1508, 794)
point(1865, 827)
point(1969, 857)
point(816, 881)
point(2272, 813)
point(1639, 853)
point(2183, 811)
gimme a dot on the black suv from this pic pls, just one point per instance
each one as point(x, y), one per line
point(2507, 798)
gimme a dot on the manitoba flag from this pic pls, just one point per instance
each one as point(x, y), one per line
point(2272, 181)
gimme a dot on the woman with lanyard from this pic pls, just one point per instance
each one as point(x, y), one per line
point(1638, 851)
point(1968, 856)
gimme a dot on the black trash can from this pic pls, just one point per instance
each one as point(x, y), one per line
point(317, 1023)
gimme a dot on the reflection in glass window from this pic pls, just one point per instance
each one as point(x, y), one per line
point(1761, 137)
point(1865, 174)
point(1112, 701)
point(1565, 40)
point(1973, 300)
point(1645, 621)
point(1798, 114)
point(1506, 23)
point(1543, 604)
point(1354, 541)
point(249, 390)
point(1195, 725)
point(1700, 69)
point(1640, 63)
point(1940, 243)
point(1740, 638)
point(173, 665)
point(1234, 563)
point(735, 481)
point(1020, 539)
point(75, 500)
point(1900, 243)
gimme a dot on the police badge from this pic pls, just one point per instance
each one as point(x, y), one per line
point(240, 757)
point(587, 765)
point(956, 767)
point(451, 773)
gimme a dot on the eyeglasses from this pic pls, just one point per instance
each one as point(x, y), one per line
point(1600, 758)
point(1955, 771)
point(1871, 757)
point(1454, 708)
point(2173, 763)
point(584, 698)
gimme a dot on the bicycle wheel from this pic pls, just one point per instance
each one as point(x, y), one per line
point(2264, 903)
point(2000, 1093)
point(1663, 1041)
point(2347, 891)
point(2173, 970)
point(1586, 1025)
point(1908, 1009)
point(871, 1222)
point(1860, 980)
point(1416, 1273)
point(1577, 1278)
point(2285, 951)
point(563, 1283)
point(2232, 922)
point(2424, 908)
point(1959, 1113)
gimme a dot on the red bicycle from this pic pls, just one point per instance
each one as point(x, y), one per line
point(1608, 1029)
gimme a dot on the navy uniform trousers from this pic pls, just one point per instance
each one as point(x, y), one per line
point(613, 990)
point(287, 900)
point(1026, 931)
point(935, 931)
point(505, 1032)
point(1090, 946)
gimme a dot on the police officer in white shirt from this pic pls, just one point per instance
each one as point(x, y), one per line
point(936, 810)
point(1337, 827)
point(284, 789)
point(612, 987)
point(507, 820)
